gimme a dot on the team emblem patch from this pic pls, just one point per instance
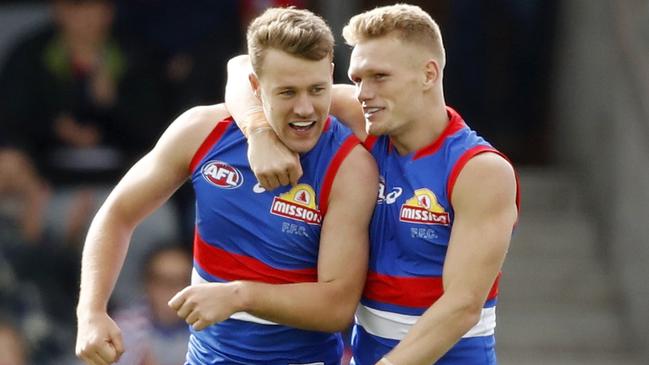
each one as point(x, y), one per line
point(222, 175)
point(298, 204)
point(423, 208)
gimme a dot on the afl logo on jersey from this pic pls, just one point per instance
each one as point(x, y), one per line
point(222, 175)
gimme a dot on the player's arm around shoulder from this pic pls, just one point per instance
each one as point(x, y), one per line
point(348, 109)
point(344, 241)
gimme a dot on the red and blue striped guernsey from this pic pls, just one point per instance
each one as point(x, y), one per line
point(409, 236)
point(246, 233)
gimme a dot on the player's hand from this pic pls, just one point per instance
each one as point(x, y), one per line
point(271, 161)
point(203, 305)
point(99, 340)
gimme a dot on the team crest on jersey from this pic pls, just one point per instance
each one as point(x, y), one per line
point(221, 174)
point(423, 208)
point(298, 204)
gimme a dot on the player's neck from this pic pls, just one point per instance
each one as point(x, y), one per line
point(422, 130)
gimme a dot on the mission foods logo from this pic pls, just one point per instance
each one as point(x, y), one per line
point(221, 174)
point(423, 208)
point(298, 204)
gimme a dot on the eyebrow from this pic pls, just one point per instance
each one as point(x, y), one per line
point(286, 87)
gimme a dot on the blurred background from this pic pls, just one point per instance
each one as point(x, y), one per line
point(561, 87)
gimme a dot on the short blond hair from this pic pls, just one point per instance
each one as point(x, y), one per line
point(297, 32)
point(407, 22)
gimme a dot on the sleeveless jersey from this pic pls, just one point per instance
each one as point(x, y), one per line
point(246, 233)
point(409, 237)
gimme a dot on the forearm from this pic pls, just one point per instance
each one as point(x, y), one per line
point(438, 329)
point(240, 100)
point(311, 306)
point(103, 255)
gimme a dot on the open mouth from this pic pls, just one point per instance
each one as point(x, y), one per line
point(302, 126)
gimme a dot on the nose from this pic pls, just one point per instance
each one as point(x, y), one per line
point(363, 92)
point(303, 106)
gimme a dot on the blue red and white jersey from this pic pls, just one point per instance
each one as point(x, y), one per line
point(246, 233)
point(409, 237)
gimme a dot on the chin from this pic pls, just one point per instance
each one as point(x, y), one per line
point(375, 131)
point(300, 144)
point(302, 147)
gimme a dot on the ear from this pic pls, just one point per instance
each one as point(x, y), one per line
point(332, 70)
point(254, 84)
point(432, 73)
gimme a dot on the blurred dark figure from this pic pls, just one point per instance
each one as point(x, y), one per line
point(81, 104)
point(501, 55)
point(502, 59)
point(76, 107)
point(153, 334)
point(189, 43)
point(252, 8)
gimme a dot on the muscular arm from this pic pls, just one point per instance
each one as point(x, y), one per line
point(484, 200)
point(325, 305)
point(329, 304)
point(144, 188)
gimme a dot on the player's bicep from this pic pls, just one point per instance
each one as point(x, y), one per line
point(484, 201)
point(345, 238)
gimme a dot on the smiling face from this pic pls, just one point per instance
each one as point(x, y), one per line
point(296, 94)
point(389, 76)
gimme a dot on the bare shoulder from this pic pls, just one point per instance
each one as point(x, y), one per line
point(187, 132)
point(358, 172)
point(486, 178)
point(198, 119)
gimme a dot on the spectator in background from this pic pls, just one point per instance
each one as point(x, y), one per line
point(76, 107)
point(152, 332)
point(79, 103)
point(38, 280)
point(23, 195)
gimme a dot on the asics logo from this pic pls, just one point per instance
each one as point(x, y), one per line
point(390, 197)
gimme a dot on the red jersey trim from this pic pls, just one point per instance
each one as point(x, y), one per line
point(209, 142)
point(455, 124)
point(327, 124)
point(230, 266)
point(332, 170)
point(369, 142)
point(469, 154)
point(417, 292)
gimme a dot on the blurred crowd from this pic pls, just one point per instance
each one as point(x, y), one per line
point(81, 99)
point(86, 95)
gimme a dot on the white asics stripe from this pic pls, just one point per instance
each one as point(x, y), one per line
point(241, 316)
point(395, 326)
